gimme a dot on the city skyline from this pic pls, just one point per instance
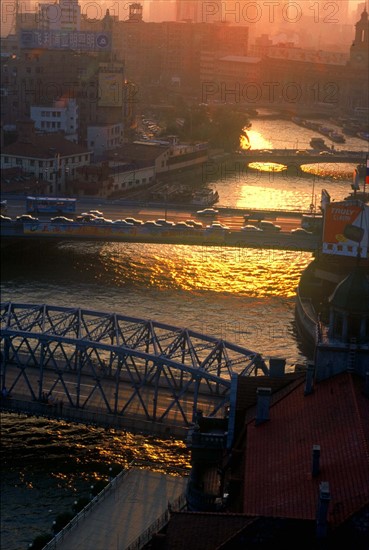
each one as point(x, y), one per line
point(231, 11)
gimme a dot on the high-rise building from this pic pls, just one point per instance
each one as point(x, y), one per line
point(199, 11)
point(64, 15)
point(319, 11)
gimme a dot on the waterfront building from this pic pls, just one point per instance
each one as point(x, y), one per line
point(166, 156)
point(110, 178)
point(50, 158)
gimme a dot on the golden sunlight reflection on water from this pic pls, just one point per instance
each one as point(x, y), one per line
point(326, 169)
point(241, 271)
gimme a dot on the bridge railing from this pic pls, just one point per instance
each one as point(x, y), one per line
point(59, 537)
point(158, 524)
point(142, 539)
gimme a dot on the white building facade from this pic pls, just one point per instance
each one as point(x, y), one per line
point(104, 137)
point(62, 116)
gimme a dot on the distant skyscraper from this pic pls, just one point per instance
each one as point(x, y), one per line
point(63, 15)
point(199, 11)
point(336, 12)
point(320, 10)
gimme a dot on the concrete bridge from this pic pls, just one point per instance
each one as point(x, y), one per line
point(115, 371)
point(48, 232)
point(291, 158)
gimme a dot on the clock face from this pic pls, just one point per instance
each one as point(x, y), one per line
point(358, 57)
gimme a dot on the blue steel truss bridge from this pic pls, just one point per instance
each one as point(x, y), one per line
point(115, 371)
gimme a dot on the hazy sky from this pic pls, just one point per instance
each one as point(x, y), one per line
point(97, 8)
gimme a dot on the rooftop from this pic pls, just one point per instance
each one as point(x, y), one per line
point(44, 146)
point(278, 479)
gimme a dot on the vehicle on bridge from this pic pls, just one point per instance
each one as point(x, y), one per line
point(269, 226)
point(251, 228)
point(61, 219)
point(301, 231)
point(207, 212)
point(50, 205)
point(26, 218)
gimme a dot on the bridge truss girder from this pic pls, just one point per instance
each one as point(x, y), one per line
point(127, 365)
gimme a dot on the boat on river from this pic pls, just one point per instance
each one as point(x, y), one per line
point(337, 137)
point(332, 301)
point(318, 144)
point(205, 197)
point(363, 135)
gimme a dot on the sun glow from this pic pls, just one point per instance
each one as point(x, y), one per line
point(250, 139)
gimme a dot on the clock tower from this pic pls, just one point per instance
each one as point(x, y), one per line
point(359, 52)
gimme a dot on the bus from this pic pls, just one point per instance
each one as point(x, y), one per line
point(50, 205)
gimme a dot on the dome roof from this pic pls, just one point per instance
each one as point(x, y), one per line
point(352, 294)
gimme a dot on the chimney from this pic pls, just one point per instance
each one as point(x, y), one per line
point(316, 459)
point(322, 511)
point(309, 381)
point(276, 367)
point(262, 405)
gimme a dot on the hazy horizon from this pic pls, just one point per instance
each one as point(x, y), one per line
point(232, 11)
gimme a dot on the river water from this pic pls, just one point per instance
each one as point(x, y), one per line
point(242, 295)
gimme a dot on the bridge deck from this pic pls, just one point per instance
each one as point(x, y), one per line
point(47, 232)
point(139, 500)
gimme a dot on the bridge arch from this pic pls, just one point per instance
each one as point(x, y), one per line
point(122, 366)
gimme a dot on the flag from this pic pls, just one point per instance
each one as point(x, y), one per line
point(367, 171)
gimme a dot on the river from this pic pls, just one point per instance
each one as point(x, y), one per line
point(243, 295)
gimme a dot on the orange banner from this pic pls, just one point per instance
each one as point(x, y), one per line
point(337, 217)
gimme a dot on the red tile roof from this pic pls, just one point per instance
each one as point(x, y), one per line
point(44, 147)
point(203, 531)
point(278, 461)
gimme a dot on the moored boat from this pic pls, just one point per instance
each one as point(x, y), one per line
point(205, 197)
point(337, 137)
point(332, 302)
point(318, 144)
